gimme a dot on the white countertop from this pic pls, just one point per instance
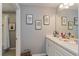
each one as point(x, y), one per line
point(70, 46)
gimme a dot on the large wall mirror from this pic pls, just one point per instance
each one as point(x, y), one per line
point(66, 20)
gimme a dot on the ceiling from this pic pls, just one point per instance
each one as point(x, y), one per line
point(10, 7)
point(54, 5)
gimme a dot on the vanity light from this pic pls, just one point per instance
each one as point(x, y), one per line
point(66, 5)
point(61, 6)
point(71, 4)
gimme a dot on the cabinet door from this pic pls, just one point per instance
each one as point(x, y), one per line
point(50, 48)
point(47, 46)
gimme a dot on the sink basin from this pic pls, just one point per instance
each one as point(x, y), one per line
point(71, 40)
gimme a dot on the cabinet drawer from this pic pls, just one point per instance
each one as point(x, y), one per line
point(57, 53)
point(63, 51)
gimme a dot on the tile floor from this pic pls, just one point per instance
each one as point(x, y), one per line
point(9, 53)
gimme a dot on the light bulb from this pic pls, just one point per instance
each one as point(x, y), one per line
point(61, 6)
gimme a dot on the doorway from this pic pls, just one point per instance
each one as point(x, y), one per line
point(8, 29)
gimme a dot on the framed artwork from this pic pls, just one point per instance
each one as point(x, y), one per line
point(29, 19)
point(38, 25)
point(64, 20)
point(76, 21)
point(11, 26)
point(46, 20)
point(70, 25)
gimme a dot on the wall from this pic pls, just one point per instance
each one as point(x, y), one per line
point(12, 34)
point(70, 14)
point(31, 38)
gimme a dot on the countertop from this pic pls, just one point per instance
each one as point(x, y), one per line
point(69, 46)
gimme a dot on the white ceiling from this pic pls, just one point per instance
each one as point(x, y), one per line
point(10, 7)
point(54, 5)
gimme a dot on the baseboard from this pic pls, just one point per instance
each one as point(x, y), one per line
point(4, 50)
point(41, 54)
point(12, 48)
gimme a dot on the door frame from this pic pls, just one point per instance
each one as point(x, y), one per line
point(0, 29)
point(78, 29)
point(18, 30)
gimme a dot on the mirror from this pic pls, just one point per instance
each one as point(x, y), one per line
point(66, 20)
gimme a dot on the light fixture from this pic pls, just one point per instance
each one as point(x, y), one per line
point(61, 6)
point(66, 5)
point(71, 4)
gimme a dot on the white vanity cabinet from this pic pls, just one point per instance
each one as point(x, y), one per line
point(53, 49)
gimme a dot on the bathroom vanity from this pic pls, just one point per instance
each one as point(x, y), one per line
point(57, 47)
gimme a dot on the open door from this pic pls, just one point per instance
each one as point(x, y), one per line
point(5, 33)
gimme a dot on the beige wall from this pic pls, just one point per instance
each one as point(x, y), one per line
point(35, 39)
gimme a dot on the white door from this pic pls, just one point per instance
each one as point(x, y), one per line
point(6, 41)
point(18, 30)
point(0, 29)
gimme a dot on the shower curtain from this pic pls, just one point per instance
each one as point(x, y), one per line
point(6, 42)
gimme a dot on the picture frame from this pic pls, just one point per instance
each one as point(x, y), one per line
point(76, 21)
point(64, 20)
point(11, 26)
point(38, 24)
point(29, 19)
point(46, 20)
point(70, 25)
